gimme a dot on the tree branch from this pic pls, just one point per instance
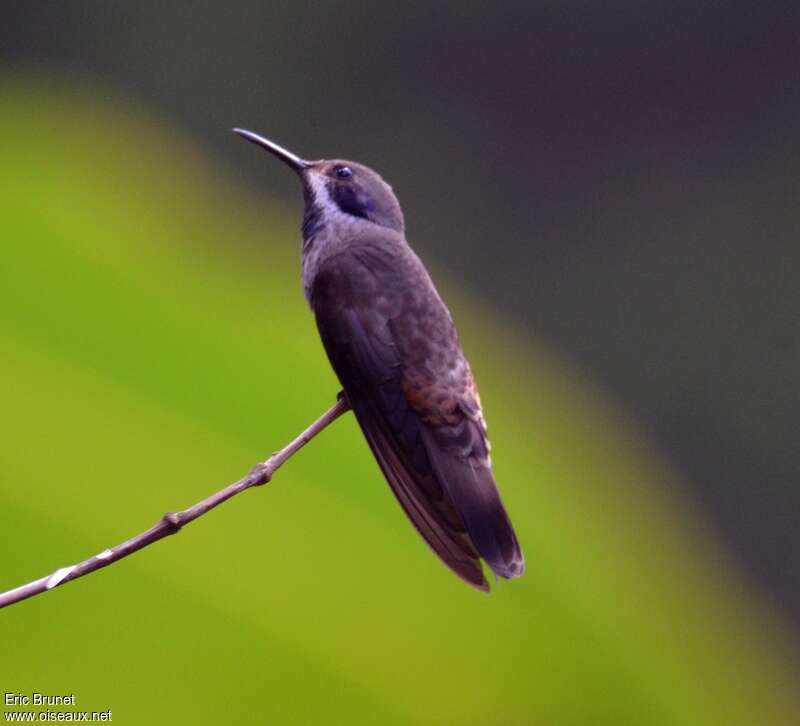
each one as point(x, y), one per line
point(172, 522)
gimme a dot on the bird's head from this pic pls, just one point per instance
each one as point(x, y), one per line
point(338, 190)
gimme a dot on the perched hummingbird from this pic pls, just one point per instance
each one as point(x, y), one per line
point(394, 347)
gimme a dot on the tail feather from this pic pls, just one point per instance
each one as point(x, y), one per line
point(471, 488)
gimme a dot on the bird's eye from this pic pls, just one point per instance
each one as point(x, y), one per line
point(343, 172)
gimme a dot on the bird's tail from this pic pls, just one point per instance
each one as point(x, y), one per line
point(466, 475)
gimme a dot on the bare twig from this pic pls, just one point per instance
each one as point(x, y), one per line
point(172, 522)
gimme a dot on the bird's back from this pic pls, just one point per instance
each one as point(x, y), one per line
point(394, 347)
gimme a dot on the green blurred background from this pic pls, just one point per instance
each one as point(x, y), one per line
point(606, 195)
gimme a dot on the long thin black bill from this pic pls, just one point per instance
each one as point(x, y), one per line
point(287, 157)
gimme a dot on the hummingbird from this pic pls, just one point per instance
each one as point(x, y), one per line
point(393, 345)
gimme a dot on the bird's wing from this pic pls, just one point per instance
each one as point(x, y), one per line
point(427, 437)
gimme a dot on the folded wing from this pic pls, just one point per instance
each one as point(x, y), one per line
point(425, 430)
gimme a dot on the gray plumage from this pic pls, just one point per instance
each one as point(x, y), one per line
point(394, 347)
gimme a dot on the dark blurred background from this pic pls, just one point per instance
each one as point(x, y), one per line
point(619, 177)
